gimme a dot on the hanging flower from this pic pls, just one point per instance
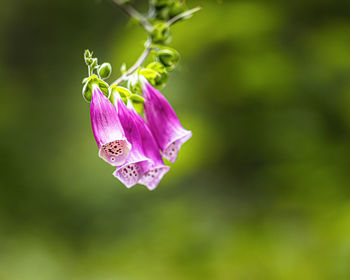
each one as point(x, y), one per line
point(109, 134)
point(137, 163)
point(164, 123)
point(152, 177)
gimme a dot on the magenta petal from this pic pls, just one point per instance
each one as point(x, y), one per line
point(152, 177)
point(109, 134)
point(132, 171)
point(164, 123)
point(137, 163)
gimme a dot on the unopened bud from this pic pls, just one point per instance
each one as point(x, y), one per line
point(161, 33)
point(168, 57)
point(177, 8)
point(162, 77)
point(105, 70)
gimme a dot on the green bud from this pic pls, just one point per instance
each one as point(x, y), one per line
point(94, 63)
point(105, 70)
point(162, 77)
point(162, 13)
point(161, 33)
point(87, 89)
point(87, 54)
point(88, 57)
point(88, 61)
point(177, 8)
point(168, 57)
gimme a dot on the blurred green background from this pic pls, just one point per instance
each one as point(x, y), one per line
point(262, 189)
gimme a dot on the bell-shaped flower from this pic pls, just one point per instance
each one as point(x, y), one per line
point(137, 163)
point(164, 123)
point(109, 134)
point(152, 177)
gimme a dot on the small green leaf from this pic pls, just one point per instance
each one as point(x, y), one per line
point(87, 88)
point(149, 73)
point(122, 91)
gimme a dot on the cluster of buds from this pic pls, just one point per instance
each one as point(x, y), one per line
point(134, 125)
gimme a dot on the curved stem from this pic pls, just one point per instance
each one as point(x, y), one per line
point(134, 14)
point(136, 65)
point(182, 15)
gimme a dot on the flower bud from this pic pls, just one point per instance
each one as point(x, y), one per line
point(168, 57)
point(177, 8)
point(88, 87)
point(161, 33)
point(94, 63)
point(162, 76)
point(87, 57)
point(105, 70)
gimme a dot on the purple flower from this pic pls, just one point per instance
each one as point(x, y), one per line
point(108, 132)
point(153, 176)
point(164, 123)
point(137, 163)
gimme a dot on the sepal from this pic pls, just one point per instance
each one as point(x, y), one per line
point(123, 92)
point(88, 87)
point(137, 102)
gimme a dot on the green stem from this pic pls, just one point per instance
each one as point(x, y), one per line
point(182, 15)
point(134, 14)
point(137, 64)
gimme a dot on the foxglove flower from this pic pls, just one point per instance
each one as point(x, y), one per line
point(152, 177)
point(137, 163)
point(164, 123)
point(109, 134)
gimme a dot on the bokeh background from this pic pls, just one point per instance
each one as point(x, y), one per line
point(261, 191)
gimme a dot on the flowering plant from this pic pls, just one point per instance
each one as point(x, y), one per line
point(133, 144)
